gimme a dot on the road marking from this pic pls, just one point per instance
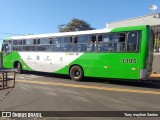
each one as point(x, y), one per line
point(26, 76)
point(91, 87)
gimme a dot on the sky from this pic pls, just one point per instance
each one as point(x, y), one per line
point(44, 16)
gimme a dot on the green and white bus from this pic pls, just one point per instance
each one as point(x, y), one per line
point(123, 53)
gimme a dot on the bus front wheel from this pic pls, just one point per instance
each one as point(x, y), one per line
point(76, 73)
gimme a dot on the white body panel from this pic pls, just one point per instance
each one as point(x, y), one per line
point(48, 61)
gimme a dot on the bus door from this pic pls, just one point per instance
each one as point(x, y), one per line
point(154, 48)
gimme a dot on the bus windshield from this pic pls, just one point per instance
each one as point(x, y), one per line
point(6, 47)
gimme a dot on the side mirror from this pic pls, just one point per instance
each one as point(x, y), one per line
point(2, 48)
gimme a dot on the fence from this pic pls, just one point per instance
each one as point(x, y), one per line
point(7, 79)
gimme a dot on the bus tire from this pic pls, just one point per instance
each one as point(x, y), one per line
point(76, 73)
point(19, 68)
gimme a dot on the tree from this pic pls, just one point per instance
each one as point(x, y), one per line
point(75, 25)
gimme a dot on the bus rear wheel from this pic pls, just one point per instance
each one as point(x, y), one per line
point(76, 73)
point(19, 68)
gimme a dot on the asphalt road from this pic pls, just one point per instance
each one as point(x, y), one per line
point(47, 92)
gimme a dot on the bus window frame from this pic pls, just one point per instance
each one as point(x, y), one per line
point(34, 44)
point(139, 41)
point(38, 44)
point(18, 45)
point(87, 41)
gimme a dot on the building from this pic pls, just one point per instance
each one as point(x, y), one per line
point(142, 20)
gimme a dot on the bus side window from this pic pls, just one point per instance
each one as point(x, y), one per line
point(29, 45)
point(105, 42)
point(51, 41)
point(92, 44)
point(122, 42)
point(17, 45)
point(34, 41)
point(75, 46)
point(67, 44)
point(100, 43)
point(81, 43)
point(113, 42)
point(17, 42)
point(93, 48)
point(133, 41)
point(44, 44)
point(57, 44)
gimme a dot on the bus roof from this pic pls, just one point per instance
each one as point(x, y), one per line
point(51, 35)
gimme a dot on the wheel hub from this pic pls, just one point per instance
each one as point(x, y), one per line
point(76, 73)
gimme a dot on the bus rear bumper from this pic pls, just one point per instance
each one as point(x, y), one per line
point(143, 74)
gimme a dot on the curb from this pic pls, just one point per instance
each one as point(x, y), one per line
point(155, 75)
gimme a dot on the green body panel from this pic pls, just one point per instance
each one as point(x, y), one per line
point(107, 65)
point(10, 59)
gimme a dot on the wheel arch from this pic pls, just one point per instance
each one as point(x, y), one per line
point(16, 63)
